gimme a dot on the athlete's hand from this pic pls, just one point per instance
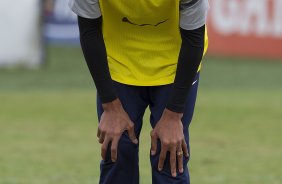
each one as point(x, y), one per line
point(114, 121)
point(169, 130)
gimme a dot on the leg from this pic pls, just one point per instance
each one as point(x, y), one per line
point(158, 97)
point(125, 170)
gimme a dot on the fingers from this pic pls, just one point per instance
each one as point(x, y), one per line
point(104, 148)
point(185, 149)
point(176, 156)
point(154, 143)
point(102, 137)
point(131, 133)
point(173, 160)
point(162, 157)
point(114, 147)
point(98, 133)
point(180, 158)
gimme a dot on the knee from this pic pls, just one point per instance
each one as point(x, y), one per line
point(127, 151)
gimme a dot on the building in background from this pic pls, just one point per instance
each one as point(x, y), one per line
point(60, 23)
point(21, 42)
point(27, 27)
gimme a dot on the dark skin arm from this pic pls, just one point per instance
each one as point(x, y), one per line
point(169, 129)
point(114, 120)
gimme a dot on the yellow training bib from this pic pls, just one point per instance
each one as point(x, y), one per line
point(142, 40)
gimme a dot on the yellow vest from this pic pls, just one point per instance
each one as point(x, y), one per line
point(142, 40)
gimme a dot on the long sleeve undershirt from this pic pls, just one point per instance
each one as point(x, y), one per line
point(94, 50)
point(189, 59)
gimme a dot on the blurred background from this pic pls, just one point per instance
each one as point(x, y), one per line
point(48, 117)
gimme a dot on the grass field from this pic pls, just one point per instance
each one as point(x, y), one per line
point(48, 124)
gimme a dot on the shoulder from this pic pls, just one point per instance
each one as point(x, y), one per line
point(85, 8)
point(187, 3)
point(193, 13)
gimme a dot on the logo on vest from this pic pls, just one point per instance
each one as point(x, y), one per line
point(126, 20)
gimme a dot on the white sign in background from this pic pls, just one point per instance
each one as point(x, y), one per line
point(262, 18)
point(20, 33)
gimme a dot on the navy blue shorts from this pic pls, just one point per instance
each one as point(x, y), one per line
point(135, 100)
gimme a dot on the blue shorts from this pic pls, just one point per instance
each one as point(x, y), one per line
point(135, 100)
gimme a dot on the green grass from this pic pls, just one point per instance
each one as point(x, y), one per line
point(48, 124)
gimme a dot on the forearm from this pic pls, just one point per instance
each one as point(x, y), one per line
point(190, 57)
point(94, 50)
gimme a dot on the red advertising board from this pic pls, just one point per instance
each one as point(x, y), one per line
point(245, 28)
